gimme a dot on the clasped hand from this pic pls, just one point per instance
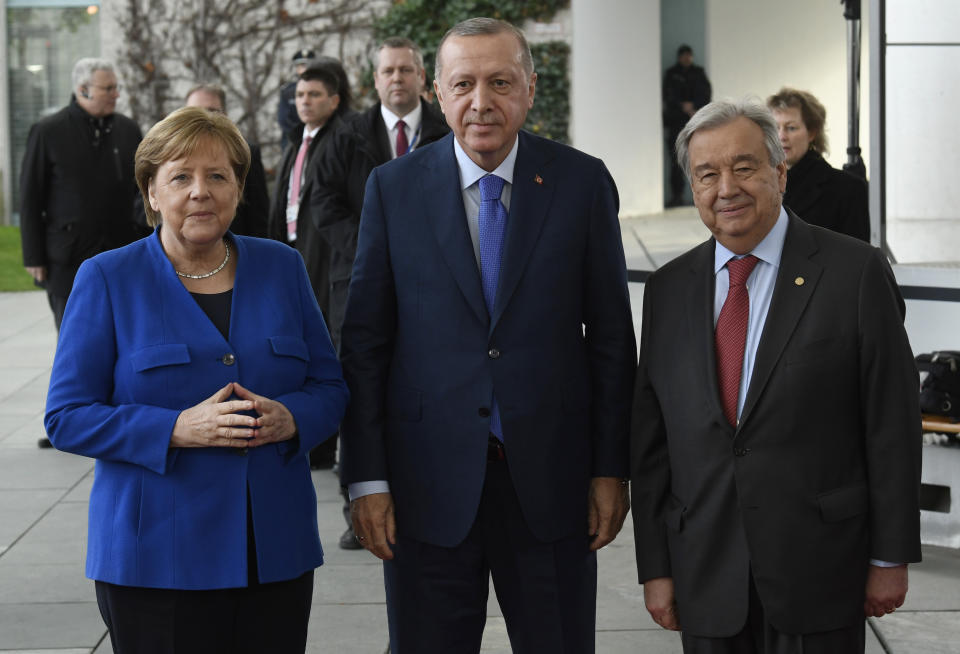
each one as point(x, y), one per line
point(219, 422)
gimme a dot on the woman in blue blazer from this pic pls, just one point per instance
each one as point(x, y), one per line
point(195, 367)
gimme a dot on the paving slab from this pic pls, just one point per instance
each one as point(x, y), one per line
point(344, 628)
point(922, 632)
point(43, 583)
point(36, 469)
point(59, 537)
point(55, 625)
point(20, 509)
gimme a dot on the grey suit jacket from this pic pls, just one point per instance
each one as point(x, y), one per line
point(822, 472)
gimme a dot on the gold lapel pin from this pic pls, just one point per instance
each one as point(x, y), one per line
point(538, 179)
point(798, 281)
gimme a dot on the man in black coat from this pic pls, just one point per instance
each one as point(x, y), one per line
point(685, 89)
point(321, 105)
point(252, 212)
point(77, 189)
point(367, 140)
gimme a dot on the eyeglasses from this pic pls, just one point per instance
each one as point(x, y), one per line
point(109, 89)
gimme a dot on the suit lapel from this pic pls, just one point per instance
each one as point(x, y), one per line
point(700, 303)
point(790, 298)
point(444, 210)
point(379, 130)
point(530, 197)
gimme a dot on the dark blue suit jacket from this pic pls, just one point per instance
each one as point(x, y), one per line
point(423, 357)
point(135, 350)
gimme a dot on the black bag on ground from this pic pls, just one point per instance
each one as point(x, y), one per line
point(940, 383)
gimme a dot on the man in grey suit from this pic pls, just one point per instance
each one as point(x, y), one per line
point(776, 431)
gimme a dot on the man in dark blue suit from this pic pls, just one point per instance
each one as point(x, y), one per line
point(487, 344)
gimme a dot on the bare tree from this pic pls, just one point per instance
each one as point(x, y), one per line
point(244, 45)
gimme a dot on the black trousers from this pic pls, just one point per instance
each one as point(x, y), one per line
point(58, 304)
point(260, 618)
point(760, 637)
point(437, 596)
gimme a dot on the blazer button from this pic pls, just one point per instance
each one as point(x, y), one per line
point(228, 359)
point(494, 353)
point(484, 412)
point(241, 452)
point(741, 451)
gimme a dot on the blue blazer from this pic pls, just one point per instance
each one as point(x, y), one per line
point(423, 357)
point(135, 350)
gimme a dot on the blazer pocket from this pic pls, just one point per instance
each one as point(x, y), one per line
point(290, 346)
point(843, 503)
point(404, 404)
point(673, 516)
point(158, 356)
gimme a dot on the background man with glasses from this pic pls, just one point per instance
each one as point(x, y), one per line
point(77, 191)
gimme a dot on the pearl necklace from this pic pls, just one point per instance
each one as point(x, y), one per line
point(212, 272)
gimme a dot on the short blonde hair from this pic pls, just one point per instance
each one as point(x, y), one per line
point(812, 112)
point(180, 135)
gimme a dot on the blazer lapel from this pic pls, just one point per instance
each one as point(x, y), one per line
point(530, 197)
point(176, 296)
point(700, 303)
point(444, 210)
point(796, 281)
point(379, 129)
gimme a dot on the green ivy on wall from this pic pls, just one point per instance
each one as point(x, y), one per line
point(426, 21)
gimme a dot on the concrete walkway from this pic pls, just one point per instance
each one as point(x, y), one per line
point(46, 604)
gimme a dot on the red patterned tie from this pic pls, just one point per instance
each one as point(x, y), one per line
point(731, 334)
point(295, 179)
point(402, 146)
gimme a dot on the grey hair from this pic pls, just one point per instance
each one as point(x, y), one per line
point(84, 69)
point(212, 89)
point(720, 113)
point(401, 42)
point(480, 26)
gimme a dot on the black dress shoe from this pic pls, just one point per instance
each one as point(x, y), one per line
point(44, 443)
point(348, 541)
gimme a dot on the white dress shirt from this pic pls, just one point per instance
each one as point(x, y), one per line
point(413, 122)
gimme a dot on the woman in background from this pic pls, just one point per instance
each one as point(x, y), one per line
point(195, 367)
point(817, 192)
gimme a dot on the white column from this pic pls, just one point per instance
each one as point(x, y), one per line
point(615, 96)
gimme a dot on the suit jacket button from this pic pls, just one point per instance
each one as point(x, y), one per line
point(484, 412)
point(228, 359)
point(242, 452)
point(494, 353)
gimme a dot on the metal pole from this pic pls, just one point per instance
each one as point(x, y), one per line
point(854, 165)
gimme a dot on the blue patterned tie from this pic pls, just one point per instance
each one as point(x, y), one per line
point(493, 223)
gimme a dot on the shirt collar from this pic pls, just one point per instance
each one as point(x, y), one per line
point(769, 249)
point(412, 119)
point(470, 172)
point(312, 133)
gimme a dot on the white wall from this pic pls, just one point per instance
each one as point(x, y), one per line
point(757, 46)
point(922, 158)
point(615, 95)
